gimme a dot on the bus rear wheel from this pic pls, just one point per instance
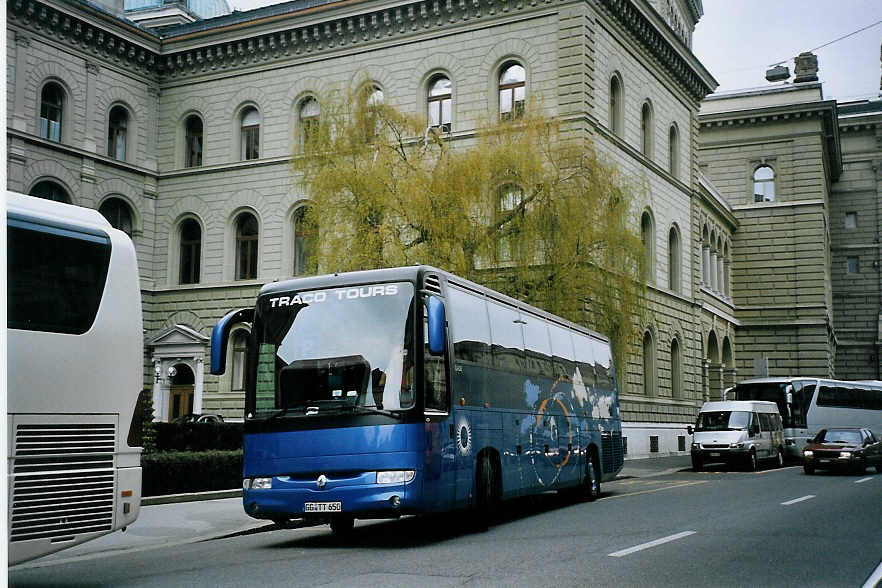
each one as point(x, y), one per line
point(488, 492)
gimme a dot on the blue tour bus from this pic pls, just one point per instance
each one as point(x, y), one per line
point(409, 390)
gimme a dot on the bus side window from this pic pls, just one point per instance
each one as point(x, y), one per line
point(435, 380)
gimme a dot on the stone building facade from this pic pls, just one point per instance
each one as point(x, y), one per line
point(184, 136)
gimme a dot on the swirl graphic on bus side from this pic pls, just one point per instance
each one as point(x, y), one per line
point(536, 444)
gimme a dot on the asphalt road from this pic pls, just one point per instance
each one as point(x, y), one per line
point(715, 528)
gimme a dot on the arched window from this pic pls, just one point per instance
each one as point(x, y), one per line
point(250, 134)
point(193, 141)
point(764, 184)
point(116, 132)
point(647, 235)
point(676, 370)
point(50, 191)
point(440, 103)
point(674, 258)
point(304, 241)
point(705, 257)
point(309, 119)
point(646, 129)
point(51, 111)
point(727, 265)
point(648, 364)
point(615, 105)
point(674, 151)
point(512, 91)
point(373, 122)
point(509, 199)
point(191, 251)
point(118, 214)
point(246, 246)
point(239, 346)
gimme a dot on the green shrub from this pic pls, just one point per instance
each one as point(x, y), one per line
point(198, 436)
point(176, 472)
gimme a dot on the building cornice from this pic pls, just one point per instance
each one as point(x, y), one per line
point(660, 41)
point(320, 30)
point(91, 31)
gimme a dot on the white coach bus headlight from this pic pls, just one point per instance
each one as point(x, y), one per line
point(395, 477)
point(261, 483)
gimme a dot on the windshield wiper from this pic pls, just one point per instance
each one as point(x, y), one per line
point(373, 410)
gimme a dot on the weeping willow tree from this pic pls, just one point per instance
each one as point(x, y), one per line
point(522, 208)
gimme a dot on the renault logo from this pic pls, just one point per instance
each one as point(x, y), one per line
point(321, 482)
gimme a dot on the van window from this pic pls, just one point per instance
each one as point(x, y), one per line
point(55, 276)
point(722, 420)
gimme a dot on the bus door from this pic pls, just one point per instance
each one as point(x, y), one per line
point(439, 473)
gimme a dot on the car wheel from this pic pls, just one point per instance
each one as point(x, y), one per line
point(341, 526)
point(592, 479)
point(808, 469)
point(751, 461)
point(860, 467)
point(697, 466)
point(779, 460)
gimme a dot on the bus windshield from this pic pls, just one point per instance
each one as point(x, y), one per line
point(346, 350)
point(722, 420)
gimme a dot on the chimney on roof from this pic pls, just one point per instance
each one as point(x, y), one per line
point(777, 73)
point(806, 67)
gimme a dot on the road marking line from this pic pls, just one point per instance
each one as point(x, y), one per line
point(800, 499)
point(864, 480)
point(654, 490)
point(875, 578)
point(776, 470)
point(643, 546)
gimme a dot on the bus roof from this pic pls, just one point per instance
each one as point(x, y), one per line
point(56, 212)
point(413, 273)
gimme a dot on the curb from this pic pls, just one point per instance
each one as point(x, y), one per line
point(190, 497)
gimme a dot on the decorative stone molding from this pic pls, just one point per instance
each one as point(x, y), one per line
point(66, 28)
point(49, 169)
point(92, 67)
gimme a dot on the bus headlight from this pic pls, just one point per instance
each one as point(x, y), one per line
point(261, 483)
point(395, 477)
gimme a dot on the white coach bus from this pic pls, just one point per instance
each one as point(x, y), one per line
point(74, 371)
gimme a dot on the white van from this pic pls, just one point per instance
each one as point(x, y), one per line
point(737, 431)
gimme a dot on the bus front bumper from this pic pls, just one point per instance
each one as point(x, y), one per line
point(352, 494)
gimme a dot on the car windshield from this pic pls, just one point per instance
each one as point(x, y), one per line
point(722, 420)
point(839, 436)
point(346, 350)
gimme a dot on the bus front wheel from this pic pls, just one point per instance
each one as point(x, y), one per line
point(342, 525)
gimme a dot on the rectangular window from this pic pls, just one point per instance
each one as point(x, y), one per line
point(653, 444)
point(625, 445)
point(853, 265)
point(681, 442)
point(850, 220)
point(250, 142)
point(55, 277)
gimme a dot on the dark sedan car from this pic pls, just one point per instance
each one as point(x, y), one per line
point(849, 448)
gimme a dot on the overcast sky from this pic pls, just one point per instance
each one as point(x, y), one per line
point(738, 39)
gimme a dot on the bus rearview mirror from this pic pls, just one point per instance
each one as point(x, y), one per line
point(436, 323)
point(220, 336)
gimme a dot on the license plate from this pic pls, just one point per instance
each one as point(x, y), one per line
point(323, 507)
point(717, 454)
point(824, 461)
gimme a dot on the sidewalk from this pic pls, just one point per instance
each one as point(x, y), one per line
point(178, 519)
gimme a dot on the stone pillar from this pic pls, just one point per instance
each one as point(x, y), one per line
point(705, 380)
point(159, 405)
point(19, 113)
point(90, 140)
point(730, 377)
point(705, 266)
point(715, 377)
point(199, 372)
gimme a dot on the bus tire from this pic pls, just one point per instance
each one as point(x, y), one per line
point(592, 478)
point(487, 499)
point(342, 525)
